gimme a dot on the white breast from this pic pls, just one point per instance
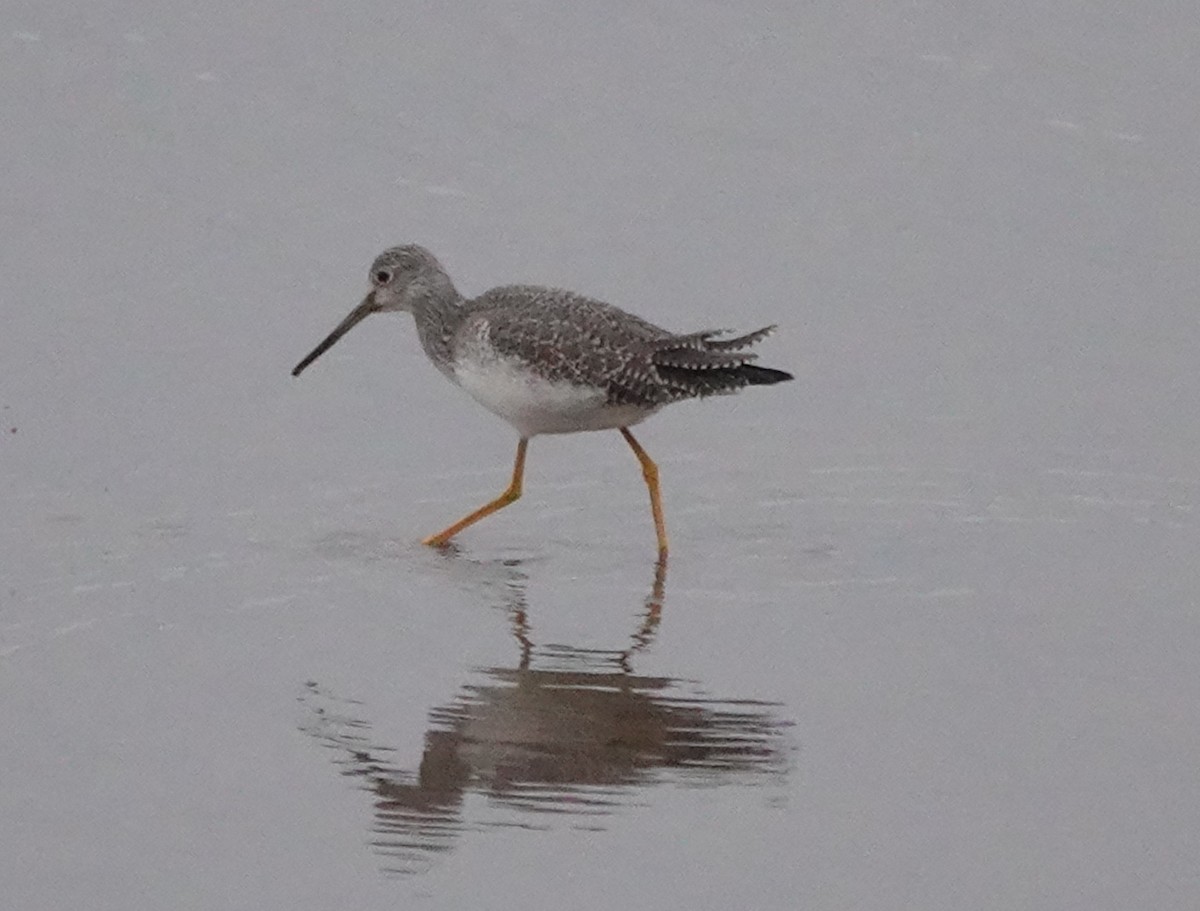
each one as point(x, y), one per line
point(534, 405)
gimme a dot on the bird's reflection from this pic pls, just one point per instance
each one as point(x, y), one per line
point(566, 731)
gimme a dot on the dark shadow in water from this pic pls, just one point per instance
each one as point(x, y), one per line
point(568, 734)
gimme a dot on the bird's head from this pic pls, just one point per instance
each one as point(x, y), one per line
point(401, 277)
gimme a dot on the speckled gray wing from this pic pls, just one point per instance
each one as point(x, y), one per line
point(568, 337)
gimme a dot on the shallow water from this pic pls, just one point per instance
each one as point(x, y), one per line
point(559, 737)
point(926, 638)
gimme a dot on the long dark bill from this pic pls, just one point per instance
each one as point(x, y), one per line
point(357, 315)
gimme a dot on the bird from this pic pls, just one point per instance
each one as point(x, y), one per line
point(550, 361)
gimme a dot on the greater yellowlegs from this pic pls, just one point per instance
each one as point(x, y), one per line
point(552, 361)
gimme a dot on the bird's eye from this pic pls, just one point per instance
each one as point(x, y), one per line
point(382, 276)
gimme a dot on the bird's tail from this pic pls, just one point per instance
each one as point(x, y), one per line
point(698, 364)
point(763, 376)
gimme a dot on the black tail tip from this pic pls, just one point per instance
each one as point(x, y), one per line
point(764, 376)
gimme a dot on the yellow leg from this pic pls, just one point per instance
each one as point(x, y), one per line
point(650, 473)
point(512, 493)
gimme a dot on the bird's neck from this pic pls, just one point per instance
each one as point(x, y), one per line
point(437, 309)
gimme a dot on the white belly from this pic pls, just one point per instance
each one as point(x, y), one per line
point(534, 405)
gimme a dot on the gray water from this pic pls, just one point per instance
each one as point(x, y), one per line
point(928, 634)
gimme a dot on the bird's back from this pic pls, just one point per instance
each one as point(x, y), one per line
point(566, 337)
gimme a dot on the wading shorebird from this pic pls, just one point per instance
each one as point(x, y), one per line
point(552, 361)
